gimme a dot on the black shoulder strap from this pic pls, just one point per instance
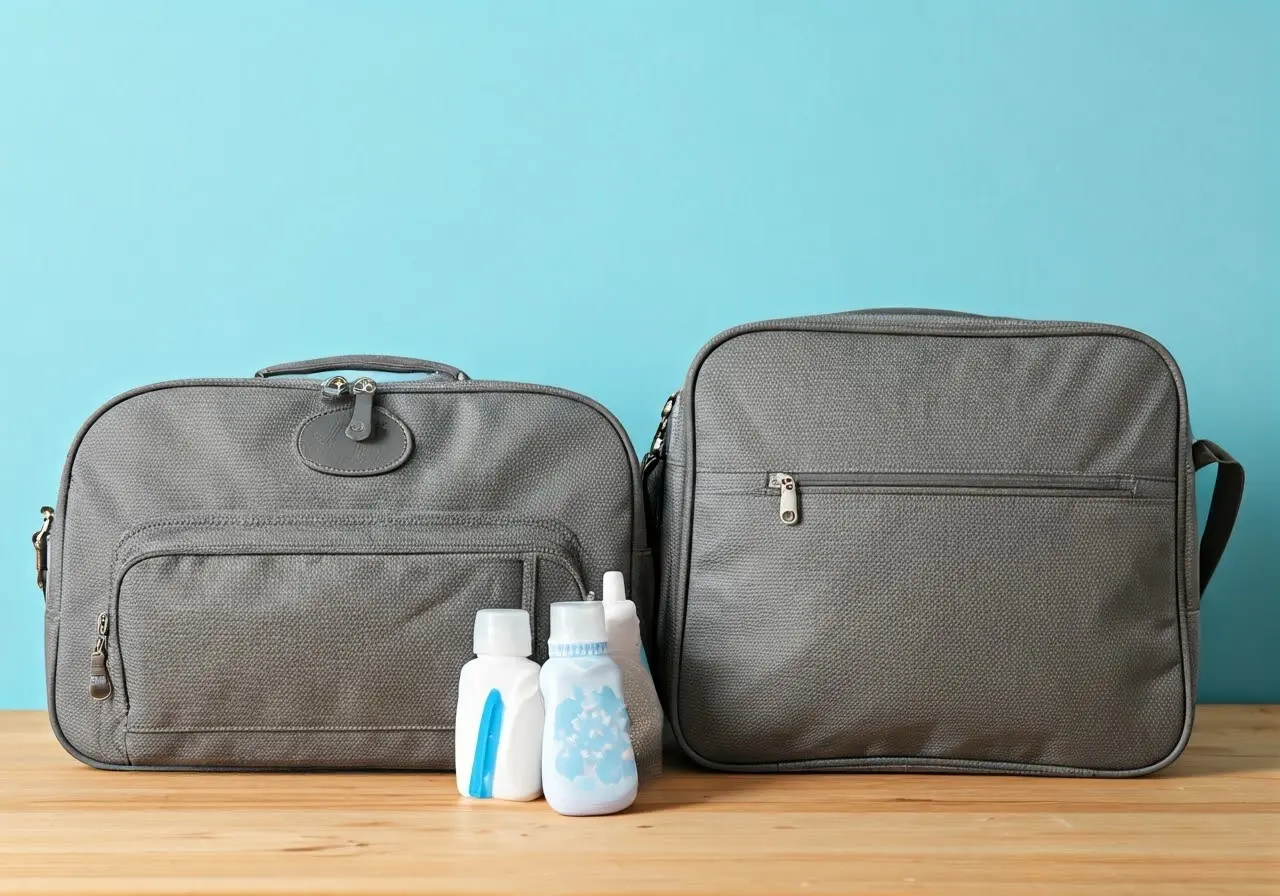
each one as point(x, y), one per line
point(1228, 489)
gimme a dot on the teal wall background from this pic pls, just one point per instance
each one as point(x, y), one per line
point(582, 193)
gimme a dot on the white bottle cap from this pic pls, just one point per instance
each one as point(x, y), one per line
point(615, 587)
point(502, 633)
point(577, 622)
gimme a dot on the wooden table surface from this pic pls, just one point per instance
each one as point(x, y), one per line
point(1210, 823)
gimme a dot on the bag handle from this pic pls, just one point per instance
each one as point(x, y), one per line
point(1228, 489)
point(924, 312)
point(382, 363)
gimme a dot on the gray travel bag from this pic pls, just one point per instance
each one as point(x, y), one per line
point(284, 571)
point(926, 541)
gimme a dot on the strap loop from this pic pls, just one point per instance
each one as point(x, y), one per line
point(1228, 490)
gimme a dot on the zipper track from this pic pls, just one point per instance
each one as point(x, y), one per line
point(556, 555)
point(477, 521)
point(788, 486)
point(1105, 484)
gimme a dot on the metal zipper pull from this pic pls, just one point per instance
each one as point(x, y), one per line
point(788, 497)
point(361, 425)
point(658, 448)
point(99, 683)
point(334, 387)
point(41, 542)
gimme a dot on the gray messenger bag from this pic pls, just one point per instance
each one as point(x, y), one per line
point(283, 571)
point(925, 541)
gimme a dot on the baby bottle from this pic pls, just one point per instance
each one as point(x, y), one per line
point(588, 767)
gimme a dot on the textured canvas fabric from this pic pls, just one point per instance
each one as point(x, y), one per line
point(993, 567)
point(263, 613)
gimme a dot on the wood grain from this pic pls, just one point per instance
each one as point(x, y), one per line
point(1209, 824)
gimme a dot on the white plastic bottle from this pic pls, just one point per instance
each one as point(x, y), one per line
point(498, 728)
point(588, 767)
point(622, 624)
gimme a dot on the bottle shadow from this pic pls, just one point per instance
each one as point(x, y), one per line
point(685, 783)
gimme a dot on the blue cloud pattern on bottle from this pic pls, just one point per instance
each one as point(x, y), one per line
point(592, 738)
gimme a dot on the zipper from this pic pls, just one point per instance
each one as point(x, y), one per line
point(788, 497)
point(360, 426)
point(556, 543)
point(787, 485)
point(99, 682)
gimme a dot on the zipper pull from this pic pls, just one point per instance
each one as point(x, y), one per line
point(334, 387)
point(40, 540)
point(658, 448)
point(361, 425)
point(789, 493)
point(99, 683)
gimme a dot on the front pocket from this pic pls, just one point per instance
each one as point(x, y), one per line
point(314, 643)
point(987, 620)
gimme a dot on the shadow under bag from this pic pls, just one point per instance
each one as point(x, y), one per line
point(284, 572)
point(919, 540)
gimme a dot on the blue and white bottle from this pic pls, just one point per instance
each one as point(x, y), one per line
point(498, 727)
point(588, 766)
